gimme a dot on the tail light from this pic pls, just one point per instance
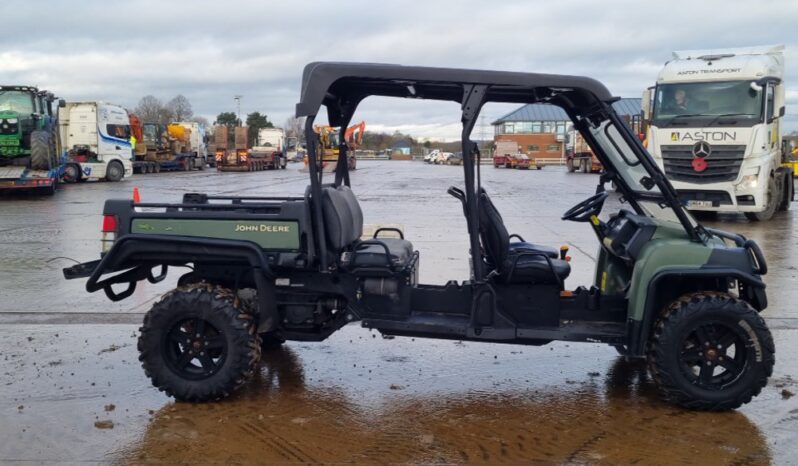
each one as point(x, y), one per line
point(109, 230)
point(242, 154)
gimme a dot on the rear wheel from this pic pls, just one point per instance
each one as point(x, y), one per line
point(156, 167)
point(710, 351)
point(198, 343)
point(115, 171)
point(72, 173)
point(41, 157)
point(787, 193)
point(569, 164)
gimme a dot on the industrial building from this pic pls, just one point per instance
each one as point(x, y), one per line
point(539, 129)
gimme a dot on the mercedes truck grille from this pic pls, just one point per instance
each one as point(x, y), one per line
point(722, 164)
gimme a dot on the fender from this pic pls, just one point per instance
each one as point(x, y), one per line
point(140, 253)
point(639, 330)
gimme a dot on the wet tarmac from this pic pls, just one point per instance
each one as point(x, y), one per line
point(72, 388)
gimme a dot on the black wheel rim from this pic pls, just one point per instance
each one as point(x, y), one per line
point(714, 355)
point(194, 349)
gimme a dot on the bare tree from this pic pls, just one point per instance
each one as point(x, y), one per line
point(180, 108)
point(294, 127)
point(202, 121)
point(149, 109)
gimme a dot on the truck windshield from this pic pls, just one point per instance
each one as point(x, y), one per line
point(16, 101)
point(723, 103)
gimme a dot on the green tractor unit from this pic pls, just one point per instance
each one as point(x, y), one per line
point(263, 270)
point(30, 154)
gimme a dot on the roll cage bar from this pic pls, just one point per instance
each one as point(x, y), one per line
point(340, 87)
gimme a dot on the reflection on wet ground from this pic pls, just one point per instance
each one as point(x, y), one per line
point(77, 392)
point(608, 418)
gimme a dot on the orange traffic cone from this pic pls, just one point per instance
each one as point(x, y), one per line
point(136, 195)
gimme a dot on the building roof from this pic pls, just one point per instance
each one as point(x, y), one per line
point(548, 112)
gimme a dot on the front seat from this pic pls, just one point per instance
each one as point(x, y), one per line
point(534, 264)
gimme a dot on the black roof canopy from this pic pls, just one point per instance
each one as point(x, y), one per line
point(341, 87)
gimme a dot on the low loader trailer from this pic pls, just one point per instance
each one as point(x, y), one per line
point(261, 270)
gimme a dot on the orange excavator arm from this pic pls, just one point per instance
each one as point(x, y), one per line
point(354, 135)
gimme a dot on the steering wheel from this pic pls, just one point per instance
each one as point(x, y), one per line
point(587, 208)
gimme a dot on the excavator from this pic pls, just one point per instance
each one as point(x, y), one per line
point(329, 142)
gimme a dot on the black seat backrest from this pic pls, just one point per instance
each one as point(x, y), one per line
point(494, 235)
point(343, 218)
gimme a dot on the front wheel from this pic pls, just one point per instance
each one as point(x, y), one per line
point(198, 343)
point(115, 171)
point(771, 204)
point(710, 351)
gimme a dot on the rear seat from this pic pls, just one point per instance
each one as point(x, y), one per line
point(343, 221)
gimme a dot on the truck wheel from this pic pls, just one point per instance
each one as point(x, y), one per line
point(569, 164)
point(588, 166)
point(710, 351)
point(198, 343)
point(201, 163)
point(115, 171)
point(771, 204)
point(156, 167)
point(72, 173)
point(41, 157)
point(787, 193)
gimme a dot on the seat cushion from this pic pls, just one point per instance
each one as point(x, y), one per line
point(522, 246)
point(343, 219)
point(535, 269)
point(373, 255)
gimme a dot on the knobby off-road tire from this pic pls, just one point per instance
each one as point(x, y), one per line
point(205, 368)
point(41, 157)
point(710, 351)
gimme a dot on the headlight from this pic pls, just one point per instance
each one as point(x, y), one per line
point(11, 121)
point(748, 182)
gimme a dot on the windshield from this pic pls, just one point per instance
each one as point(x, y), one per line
point(150, 133)
point(706, 104)
point(16, 101)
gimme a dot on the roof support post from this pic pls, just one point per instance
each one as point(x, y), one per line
point(342, 167)
point(473, 99)
point(312, 140)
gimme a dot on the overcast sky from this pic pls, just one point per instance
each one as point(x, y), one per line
point(210, 51)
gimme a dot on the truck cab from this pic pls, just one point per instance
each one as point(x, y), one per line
point(715, 129)
point(96, 136)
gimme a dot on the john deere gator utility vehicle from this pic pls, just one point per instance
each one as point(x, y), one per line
point(685, 297)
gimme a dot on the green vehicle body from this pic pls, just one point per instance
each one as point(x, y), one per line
point(17, 122)
point(269, 235)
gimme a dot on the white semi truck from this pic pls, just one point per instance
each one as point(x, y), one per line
point(715, 129)
point(196, 141)
point(96, 138)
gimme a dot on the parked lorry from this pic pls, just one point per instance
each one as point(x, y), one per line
point(578, 155)
point(267, 153)
point(269, 148)
point(196, 141)
point(163, 147)
point(30, 150)
point(715, 129)
point(503, 152)
point(96, 138)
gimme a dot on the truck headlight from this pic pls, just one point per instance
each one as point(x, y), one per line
point(11, 121)
point(748, 182)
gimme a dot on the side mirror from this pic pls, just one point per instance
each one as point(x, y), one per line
point(645, 104)
point(61, 103)
point(781, 112)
